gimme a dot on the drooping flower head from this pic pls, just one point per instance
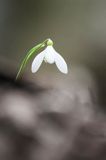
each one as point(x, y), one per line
point(49, 55)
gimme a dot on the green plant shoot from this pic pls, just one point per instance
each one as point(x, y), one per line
point(28, 56)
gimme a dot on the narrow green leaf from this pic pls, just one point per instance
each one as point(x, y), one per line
point(31, 52)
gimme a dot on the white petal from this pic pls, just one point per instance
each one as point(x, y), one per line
point(37, 62)
point(60, 63)
point(49, 54)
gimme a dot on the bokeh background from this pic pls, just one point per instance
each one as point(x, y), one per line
point(76, 27)
point(48, 115)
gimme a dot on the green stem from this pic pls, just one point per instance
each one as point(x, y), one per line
point(31, 52)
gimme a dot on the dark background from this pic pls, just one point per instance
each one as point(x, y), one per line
point(49, 115)
point(77, 27)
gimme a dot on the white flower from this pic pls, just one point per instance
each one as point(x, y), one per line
point(49, 55)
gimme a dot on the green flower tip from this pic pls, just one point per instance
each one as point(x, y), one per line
point(49, 42)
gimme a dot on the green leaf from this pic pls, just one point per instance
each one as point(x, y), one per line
point(31, 52)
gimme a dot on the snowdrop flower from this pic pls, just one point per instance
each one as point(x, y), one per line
point(49, 55)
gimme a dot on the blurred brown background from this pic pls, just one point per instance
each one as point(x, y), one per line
point(48, 115)
point(77, 27)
